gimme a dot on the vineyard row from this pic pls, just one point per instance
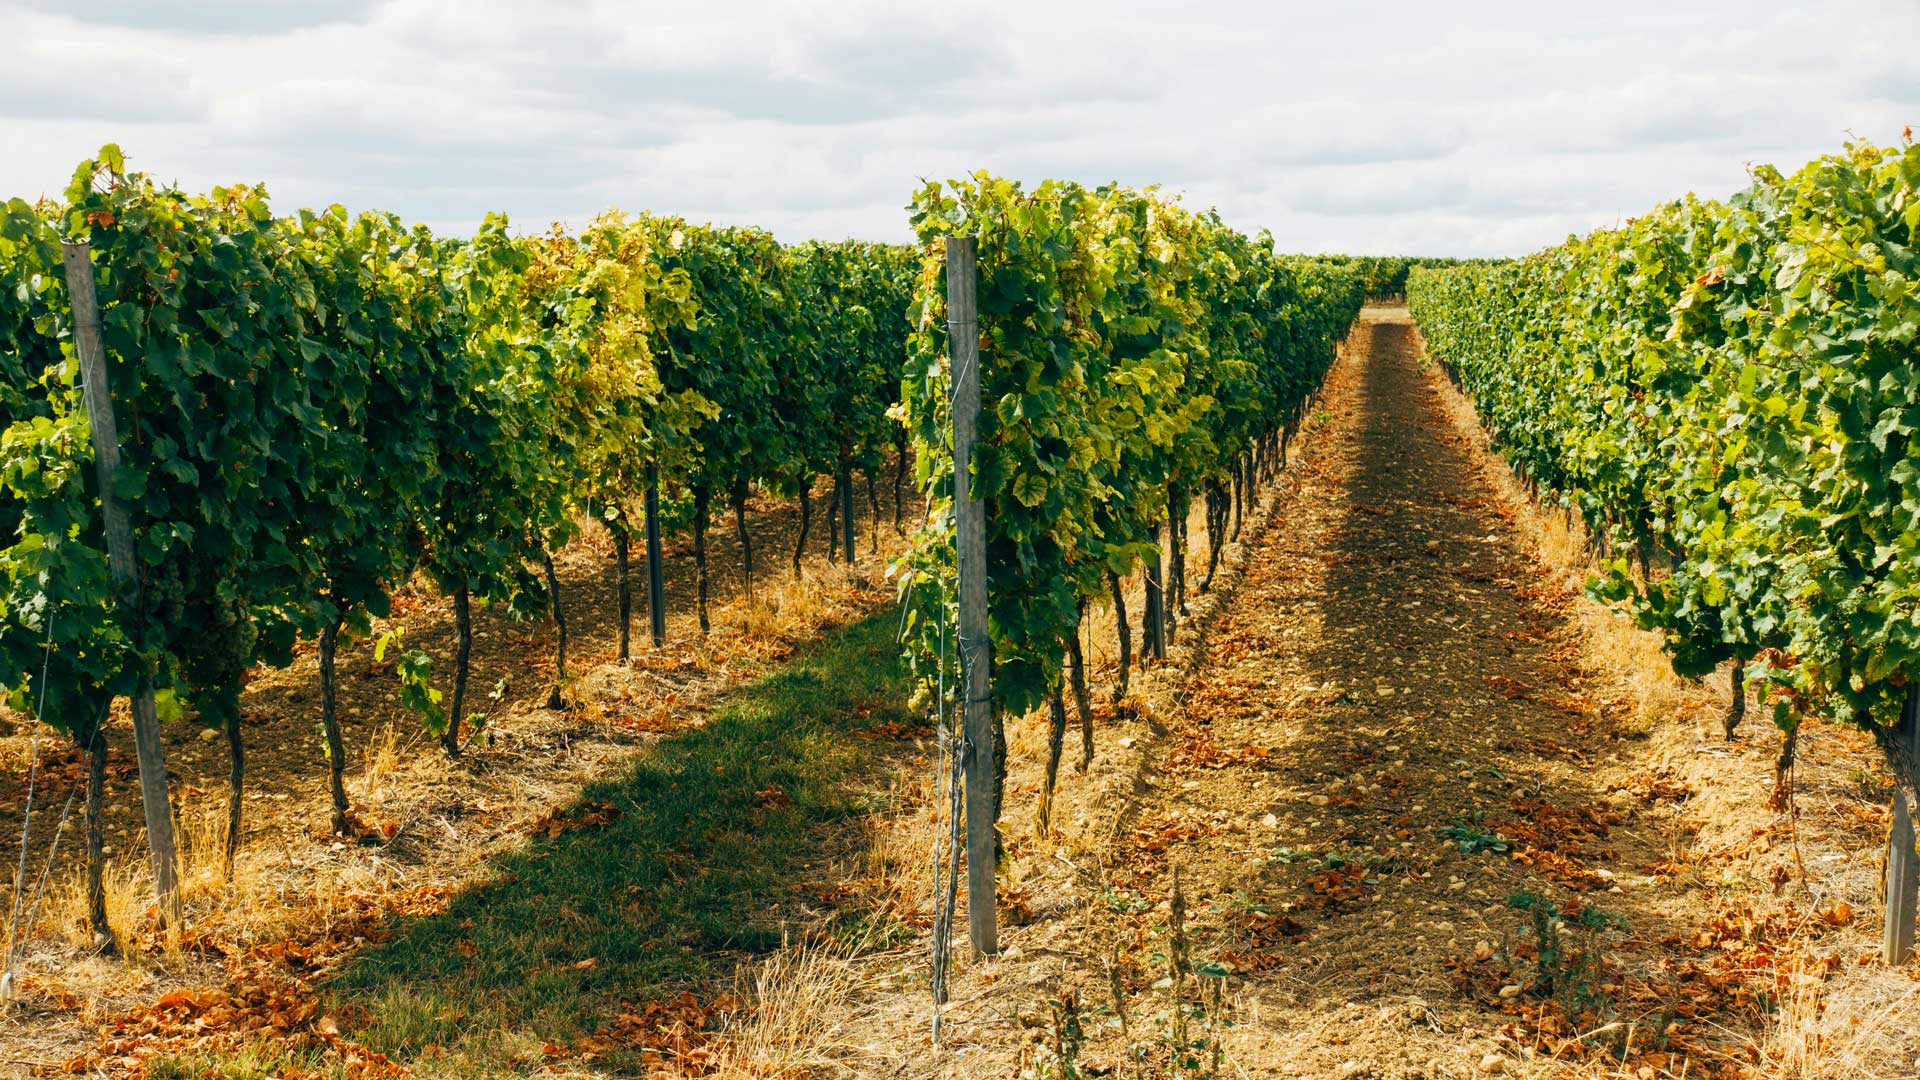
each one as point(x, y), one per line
point(312, 410)
point(1728, 393)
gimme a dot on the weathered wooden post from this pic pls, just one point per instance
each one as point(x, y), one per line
point(845, 486)
point(98, 395)
point(970, 541)
point(1903, 869)
point(1897, 938)
point(656, 574)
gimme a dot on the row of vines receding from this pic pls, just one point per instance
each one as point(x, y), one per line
point(1136, 356)
point(316, 410)
point(1728, 394)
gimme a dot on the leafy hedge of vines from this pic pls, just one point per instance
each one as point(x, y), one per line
point(1127, 344)
point(1733, 389)
point(313, 407)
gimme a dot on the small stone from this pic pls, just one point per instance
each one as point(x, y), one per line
point(1492, 1063)
point(209, 734)
point(1318, 800)
point(1510, 991)
point(1348, 1068)
point(1011, 952)
point(1126, 742)
point(1270, 822)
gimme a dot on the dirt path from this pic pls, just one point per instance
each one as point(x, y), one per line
point(1386, 738)
point(1387, 670)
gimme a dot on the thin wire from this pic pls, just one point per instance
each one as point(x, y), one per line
point(955, 764)
point(26, 821)
point(46, 872)
point(941, 927)
point(944, 873)
point(939, 770)
point(950, 762)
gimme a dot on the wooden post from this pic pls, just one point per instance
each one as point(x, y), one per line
point(1902, 881)
point(1903, 869)
point(845, 484)
point(656, 574)
point(98, 395)
point(970, 540)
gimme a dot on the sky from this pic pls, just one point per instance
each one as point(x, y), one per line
point(1423, 127)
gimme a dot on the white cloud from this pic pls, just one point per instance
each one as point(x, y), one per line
point(1384, 126)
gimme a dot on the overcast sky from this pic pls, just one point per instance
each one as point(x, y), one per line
point(1405, 127)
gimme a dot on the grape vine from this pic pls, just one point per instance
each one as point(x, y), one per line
point(1131, 352)
point(1725, 391)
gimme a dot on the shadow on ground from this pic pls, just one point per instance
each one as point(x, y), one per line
point(660, 879)
point(1459, 693)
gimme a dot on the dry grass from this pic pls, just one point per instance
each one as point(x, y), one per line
point(1829, 1031)
point(64, 912)
point(795, 1024)
point(200, 828)
point(276, 888)
point(896, 860)
point(381, 759)
point(789, 609)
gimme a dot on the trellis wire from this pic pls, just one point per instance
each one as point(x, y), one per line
point(949, 761)
point(26, 819)
point(46, 871)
